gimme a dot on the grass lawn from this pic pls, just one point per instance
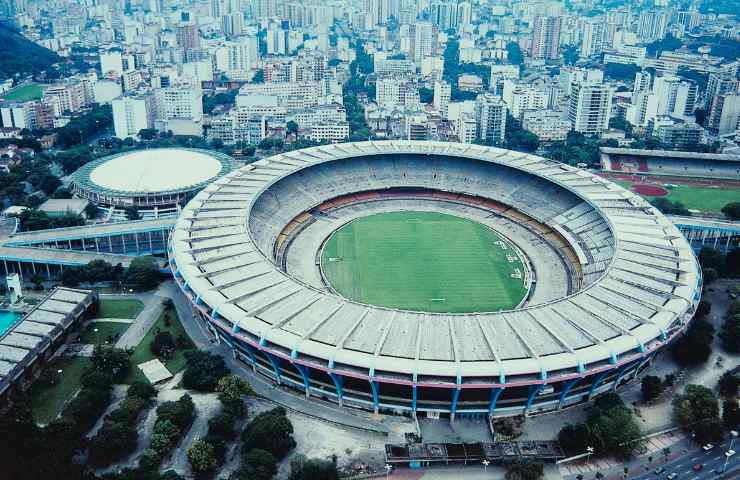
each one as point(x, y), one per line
point(105, 330)
point(424, 261)
point(120, 308)
point(705, 199)
point(143, 354)
point(47, 401)
point(24, 93)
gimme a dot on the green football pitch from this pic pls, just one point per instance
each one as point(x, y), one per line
point(424, 261)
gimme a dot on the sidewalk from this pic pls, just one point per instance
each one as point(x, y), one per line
point(153, 308)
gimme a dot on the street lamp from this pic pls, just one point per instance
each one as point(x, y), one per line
point(485, 463)
point(734, 434)
point(589, 452)
point(388, 469)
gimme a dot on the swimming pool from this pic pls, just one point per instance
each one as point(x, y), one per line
point(7, 319)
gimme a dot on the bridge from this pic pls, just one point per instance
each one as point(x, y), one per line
point(49, 251)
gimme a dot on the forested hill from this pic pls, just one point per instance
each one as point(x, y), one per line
point(20, 55)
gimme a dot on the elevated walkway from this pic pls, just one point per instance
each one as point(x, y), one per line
point(118, 242)
point(716, 233)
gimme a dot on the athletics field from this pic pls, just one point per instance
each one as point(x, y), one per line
point(424, 261)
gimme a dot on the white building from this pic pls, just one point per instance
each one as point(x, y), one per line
point(181, 101)
point(329, 132)
point(490, 118)
point(466, 128)
point(442, 95)
point(520, 98)
point(548, 125)
point(593, 37)
point(133, 113)
point(590, 107)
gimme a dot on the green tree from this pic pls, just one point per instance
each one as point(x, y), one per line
point(651, 387)
point(132, 213)
point(113, 442)
point(695, 346)
point(271, 431)
point(730, 333)
point(302, 468)
point(257, 464)
point(233, 387)
point(143, 273)
point(112, 362)
point(524, 469)
point(202, 457)
point(695, 409)
point(203, 371)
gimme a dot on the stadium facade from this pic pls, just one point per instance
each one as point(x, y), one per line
point(157, 182)
point(612, 280)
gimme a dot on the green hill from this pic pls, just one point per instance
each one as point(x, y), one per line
point(19, 55)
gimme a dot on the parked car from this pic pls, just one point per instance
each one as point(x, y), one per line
point(698, 467)
point(671, 476)
point(659, 470)
point(707, 447)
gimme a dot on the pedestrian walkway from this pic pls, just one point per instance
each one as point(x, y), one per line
point(153, 308)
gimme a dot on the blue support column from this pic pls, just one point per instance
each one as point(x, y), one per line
point(338, 382)
point(275, 362)
point(306, 375)
point(413, 398)
point(495, 393)
point(533, 391)
point(453, 407)
point(376, 396)
point(596, 383)
point(568, 386)
point(622, 370)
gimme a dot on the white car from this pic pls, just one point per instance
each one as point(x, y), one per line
point(707, 447)
point(729, 453)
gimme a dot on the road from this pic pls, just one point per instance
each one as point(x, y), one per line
point(711, 460)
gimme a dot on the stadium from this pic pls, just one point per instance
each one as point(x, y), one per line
point(436, 278)
point(157, 182)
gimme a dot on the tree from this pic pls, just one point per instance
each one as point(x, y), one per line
point(302, 468)
point(271, 431)
point(728, 384)
point(731, 414)
point(703, 309)
point(696, 408)
point(694, 347)
point(233, 387)
point(180, 413)
point(732, 210)
point(203, 371)
point(524, 469)
point(143, 273)
point(291, 127)
point(163, 345)
point(202, 457)
point(730, 333)
point(113, 442)
point(651, 387)
point(258, 465)
point(112, 362)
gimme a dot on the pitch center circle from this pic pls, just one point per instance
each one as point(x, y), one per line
point(424, 261)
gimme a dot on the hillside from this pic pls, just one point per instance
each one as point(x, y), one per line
point(19, 55)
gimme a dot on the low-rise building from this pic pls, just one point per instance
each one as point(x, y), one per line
point(548, 125)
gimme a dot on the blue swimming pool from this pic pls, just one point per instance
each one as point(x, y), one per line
point(7, 319)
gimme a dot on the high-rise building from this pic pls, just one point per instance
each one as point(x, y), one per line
point(676, 98)
point(643, 82)
point(466, 128)
point(424, 40)
point(490, 118)
point(180, 101)
point(187, 36)
point(545, 37)
point(593, 37)
point(652, 25)
point(442, 95)
point(133, 113)
point(590, 106)
point(444, 14)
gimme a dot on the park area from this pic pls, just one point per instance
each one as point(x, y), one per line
point(424, 261)
point(24, 93)
point(169, 322)
point(697, 198)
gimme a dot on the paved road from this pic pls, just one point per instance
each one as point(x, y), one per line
point(153, 308)
point(711, 460)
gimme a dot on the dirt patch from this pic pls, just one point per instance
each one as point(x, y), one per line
point(649, 189)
